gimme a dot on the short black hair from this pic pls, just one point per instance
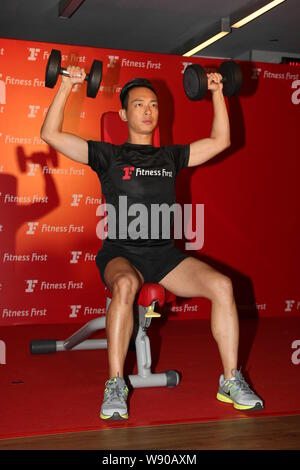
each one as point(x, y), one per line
point(136, 82)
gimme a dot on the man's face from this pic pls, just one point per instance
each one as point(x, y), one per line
point(142, 110)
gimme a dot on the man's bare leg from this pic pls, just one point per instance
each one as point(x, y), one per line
point(124, 281)
point(194, 278)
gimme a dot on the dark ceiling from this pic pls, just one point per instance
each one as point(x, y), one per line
point(159, 26)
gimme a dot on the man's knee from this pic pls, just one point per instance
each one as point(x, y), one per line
point(126, 283)
point(222, 287)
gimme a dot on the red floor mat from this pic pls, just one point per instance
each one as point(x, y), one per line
point(63, 392)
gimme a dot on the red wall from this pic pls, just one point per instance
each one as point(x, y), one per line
point(250, 191)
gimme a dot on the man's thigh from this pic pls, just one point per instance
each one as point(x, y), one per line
point(191, 278)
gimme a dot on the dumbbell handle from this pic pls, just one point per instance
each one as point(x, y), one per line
point(66, 73)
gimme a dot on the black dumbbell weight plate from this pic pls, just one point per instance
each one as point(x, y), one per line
point(94, 79)
point(53, 68)
point(232, 76)
point(195, 82)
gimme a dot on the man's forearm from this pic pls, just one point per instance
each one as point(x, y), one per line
point(220, 126)
point(55, 115)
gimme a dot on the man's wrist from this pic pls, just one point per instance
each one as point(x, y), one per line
point(65, 87)
point(217, 92)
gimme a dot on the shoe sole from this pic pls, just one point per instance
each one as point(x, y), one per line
point(115, 417)
point(224, 399)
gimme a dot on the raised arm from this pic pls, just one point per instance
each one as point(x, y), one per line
point(204, 149)
point(69, 144)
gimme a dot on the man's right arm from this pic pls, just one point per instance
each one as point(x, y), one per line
point(69, 144)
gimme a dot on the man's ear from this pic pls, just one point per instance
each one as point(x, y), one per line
point(122, 114)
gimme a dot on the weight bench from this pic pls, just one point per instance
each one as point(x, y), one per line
point(144, 310)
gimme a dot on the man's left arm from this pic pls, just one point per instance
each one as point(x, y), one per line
point(204, 149)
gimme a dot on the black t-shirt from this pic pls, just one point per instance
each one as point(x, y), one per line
point(136, 179)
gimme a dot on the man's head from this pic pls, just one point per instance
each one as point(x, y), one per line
point(136, 82)
point(139, 106)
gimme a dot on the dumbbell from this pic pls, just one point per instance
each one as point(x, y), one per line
point(195, 80)
point(54, 69)
point(40, 158)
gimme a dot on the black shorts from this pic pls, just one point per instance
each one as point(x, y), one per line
point(153, 262)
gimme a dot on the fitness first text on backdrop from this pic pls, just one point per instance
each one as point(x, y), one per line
point(49, 204)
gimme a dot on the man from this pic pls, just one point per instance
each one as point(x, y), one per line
point(146, 174)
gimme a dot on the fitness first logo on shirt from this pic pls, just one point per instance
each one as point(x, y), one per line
point(130, 170)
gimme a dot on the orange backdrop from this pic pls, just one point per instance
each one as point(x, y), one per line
point(48, 203)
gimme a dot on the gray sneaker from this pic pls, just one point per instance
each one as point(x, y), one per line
point(237, 391)
point(114, 405)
